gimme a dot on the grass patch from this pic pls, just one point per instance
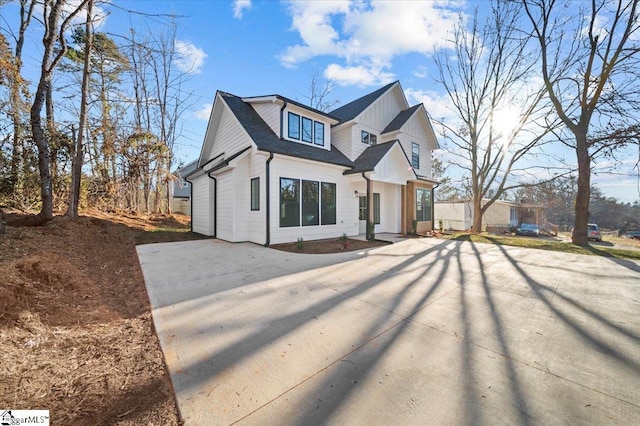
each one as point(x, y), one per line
point(545, 244)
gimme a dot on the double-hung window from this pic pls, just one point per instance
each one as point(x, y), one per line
point(307, 129)
point(415, 155)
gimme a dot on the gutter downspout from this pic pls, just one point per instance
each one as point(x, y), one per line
point(433, 207)
point(268, 182)
point(268, 199)
point(369, 212)
point(215, 204)
point(190, 203)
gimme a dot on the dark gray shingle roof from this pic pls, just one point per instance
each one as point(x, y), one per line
point(400, 119)
point(352, 109)
point(266, 140)
point(371, 156)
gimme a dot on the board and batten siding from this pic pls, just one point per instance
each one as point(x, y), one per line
point(413, 131)
point(202, 205)
point(346, 203)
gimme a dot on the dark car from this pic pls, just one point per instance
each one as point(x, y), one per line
point(528, 229)
point(634, 235)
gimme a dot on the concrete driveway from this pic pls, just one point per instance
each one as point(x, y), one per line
point(419, 332)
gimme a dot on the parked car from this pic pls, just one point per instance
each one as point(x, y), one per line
point(593, 232)
point(528, 229)
point(634, 235)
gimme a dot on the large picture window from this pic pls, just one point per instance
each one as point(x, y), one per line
point(307, 129)
point(423, 205)
point(307, 203)
point(294, 126)
point(255, 194)
point(310, 203)
point(289, 202)
point(328, 200)
point(415, 155)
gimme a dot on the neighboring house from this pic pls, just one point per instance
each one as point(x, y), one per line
point(272, 170)
point(180, 189)
point(458, 215)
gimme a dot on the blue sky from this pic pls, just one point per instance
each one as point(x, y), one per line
point(252, 48)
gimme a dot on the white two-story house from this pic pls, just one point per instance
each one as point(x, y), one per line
point(272, 170)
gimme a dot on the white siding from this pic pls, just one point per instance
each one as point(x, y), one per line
point(270, 113)
point(202, 205)
point(413, 131)
point(382, 111)
point(242, 202)
point(390, 207)
point(228, 138)
point(342, 138)
point(257, 219)
point(346, 203)
point(226, 204)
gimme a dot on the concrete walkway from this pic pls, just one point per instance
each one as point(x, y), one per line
point(419, 332)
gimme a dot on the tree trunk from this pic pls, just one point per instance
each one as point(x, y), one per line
point(78, 151)
point(476, 227)
point(580, 236)
point(46, 193)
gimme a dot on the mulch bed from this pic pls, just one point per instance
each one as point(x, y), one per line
point(331, 245)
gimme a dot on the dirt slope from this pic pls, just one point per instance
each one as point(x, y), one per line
point(75, 328)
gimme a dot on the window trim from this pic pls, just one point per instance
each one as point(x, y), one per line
point(368, 138)
point(302, 203)
point(293, 114)
point(415, 156)
point(376, 208)
point(422, 209)
point(255, 207)
point(315, 133)
point(297, 181)
point(302, 136)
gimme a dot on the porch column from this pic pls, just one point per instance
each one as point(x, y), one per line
point(369, 232)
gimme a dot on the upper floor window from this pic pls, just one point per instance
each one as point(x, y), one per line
point(318, 133)
point(415, 155)
point(368, 138)
point(294, 126)
point(305, 129)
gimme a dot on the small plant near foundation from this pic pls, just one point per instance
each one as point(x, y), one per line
point(414, 227)
point(300, 244)
point(344, 241)
point(440, 225)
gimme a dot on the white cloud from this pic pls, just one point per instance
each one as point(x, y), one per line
point(367, 33)
point(204, 112)
point(189, 58)
point(358, 75)
point(421, 72)
point(239, 6)
point(437, 105)
point(99, 14)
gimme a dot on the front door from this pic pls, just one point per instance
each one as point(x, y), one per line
point(362, 213)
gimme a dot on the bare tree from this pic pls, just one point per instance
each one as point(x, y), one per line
point(500, 112)
point(54, 50)
point(78, 150)
point(590, 66)
point(320, 89)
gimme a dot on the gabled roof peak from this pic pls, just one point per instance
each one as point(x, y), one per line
point(354, 108)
